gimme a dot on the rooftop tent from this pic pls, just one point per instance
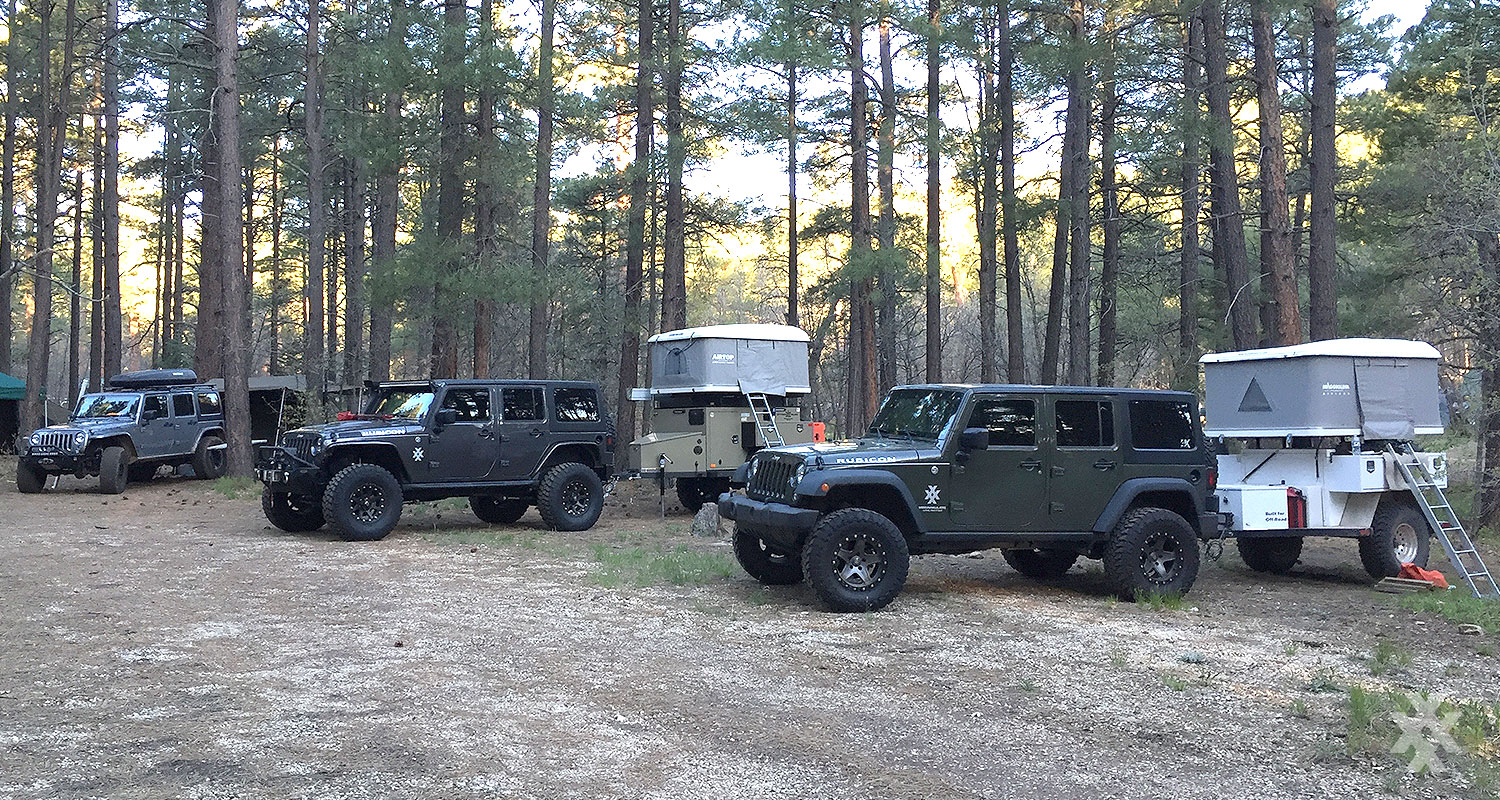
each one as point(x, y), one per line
point(11, 388)
point(1373, 388)
point(759, 359)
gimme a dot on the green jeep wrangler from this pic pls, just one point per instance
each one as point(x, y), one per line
point(1047, 474)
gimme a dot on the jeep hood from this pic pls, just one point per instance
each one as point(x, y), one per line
point(873, 450)
point(360, 428)
point(92, 424)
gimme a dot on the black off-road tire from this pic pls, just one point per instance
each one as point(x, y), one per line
point(114, 470)
point(142, 473)
point(498, 510)
point(570, 497)
point(855, 560)
point(1151, 550)
point(763, 563)
point(1272, 554)
point(695, 493)
point(1040, 564)
point(209, 463)
point(1399, 534)
point(291, 513)
point(29, 479)
point(363, 502)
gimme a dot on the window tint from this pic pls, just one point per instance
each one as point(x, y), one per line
point(1084, 423)
point(518, 404)
point(156, 406)
point(208, 404)
point(472, 405)
point(1161, 425)
point(182, 405)
point(576, 405)
point(1011, 421)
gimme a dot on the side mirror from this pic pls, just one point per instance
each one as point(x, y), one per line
point(974, 439)
point(446, 417)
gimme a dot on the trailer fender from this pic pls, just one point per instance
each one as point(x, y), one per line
point(1175, 494)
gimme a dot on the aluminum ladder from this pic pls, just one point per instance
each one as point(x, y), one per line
point(765, 419)
point(1444, 522)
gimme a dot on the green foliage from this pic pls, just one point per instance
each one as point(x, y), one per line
point(1456, 606)
point(659, 565)
point(235, 487)
point(1388, 657)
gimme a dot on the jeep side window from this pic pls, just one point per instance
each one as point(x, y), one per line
point(520, 404)
point(472, 405)
point(1084, 423)
point(156, 407)
point(208, 404)
point(1161, 425)
point(182, 405)
point(1011, 421)
point(575, 405)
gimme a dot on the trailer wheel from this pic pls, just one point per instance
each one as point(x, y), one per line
point(1274, 554)
point(1398, 535)
point(694, 493)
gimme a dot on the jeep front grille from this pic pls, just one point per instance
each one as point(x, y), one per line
point(301, 446)
point(58, 440)
point(772, 480)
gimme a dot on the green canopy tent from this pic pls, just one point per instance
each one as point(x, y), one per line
point(12, 390)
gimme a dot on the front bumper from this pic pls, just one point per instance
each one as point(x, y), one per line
point(779, 524)
point(283, 471)
point(55, 461)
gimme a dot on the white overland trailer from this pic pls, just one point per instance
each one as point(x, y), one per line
point(1320, 440)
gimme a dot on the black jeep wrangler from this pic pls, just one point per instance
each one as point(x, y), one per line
point(506, 445)
point(1047, 474)
point(141, 422)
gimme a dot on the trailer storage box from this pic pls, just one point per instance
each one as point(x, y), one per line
point(742, 359)
point(1373, 388)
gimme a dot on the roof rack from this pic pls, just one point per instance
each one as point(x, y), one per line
point(152, 379)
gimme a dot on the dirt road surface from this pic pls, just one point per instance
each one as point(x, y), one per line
point(168, 643)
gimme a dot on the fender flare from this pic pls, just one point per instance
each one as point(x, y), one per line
point(216, 429)
point(404, 477)
point(1128, 491)
point(812, 483)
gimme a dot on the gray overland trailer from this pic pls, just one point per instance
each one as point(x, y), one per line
point(718, 394)
point(1315, 433)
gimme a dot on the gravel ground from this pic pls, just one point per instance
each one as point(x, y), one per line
point(168, 643)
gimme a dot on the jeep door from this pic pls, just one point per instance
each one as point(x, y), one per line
point(523, 432)
point(154, 436)
point(1003, 487)
point(184, 423)
point(1085, 464)
point(466, 449)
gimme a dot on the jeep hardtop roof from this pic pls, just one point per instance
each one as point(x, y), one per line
point(485, 382)
point(1027, 388)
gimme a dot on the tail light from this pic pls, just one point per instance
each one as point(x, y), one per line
point(1213, 479)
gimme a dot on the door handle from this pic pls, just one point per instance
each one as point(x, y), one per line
point(537, 432)
point(1031, 464)
point(1104, 465)
point(486, 433)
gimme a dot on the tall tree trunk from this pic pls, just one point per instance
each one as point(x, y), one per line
point(674, 244)
point(1109, 195)
point(75, 285)
point(235, 292)
point(276, 275)
point(96, 279)
point(635, 245)
point(1191, 177)
point(933, 262)
point(1062, 225)
point(541, 215)
point(1080, 276)
point(988, 204)
point(8, 266)
point(51, 131)
point(885, 231)
point(1227, 219)
point(793, 315)
point(354, 269)
point(317, 223)
point(1322, 288)
point(1276, 259)
point(1006, 102)
point(387, 200)
point(247, 191)
point(1487, 438)
point(331, 285)
point(450, 201)
point(110, 296)
point(486, 201)
point(862, 386)
point(208, 356)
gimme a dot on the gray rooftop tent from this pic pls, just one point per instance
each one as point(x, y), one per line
point(742, 359)
point(1372, 388)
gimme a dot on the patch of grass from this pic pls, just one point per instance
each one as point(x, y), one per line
point(1372, 731)
point(1485, 649)
point(1174, 683)
point(234, 487)
point(1388, 657)
point(1117, 659)
point(1456, 606)
point(1300, 709)
point(1160, 602)
point(1290, 649)
point(1324, 680)
point(1028, 686)
point(679, 566)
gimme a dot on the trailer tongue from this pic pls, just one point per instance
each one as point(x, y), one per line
point(1320, 444)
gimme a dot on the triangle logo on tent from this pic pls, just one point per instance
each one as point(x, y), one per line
point(1255, 398)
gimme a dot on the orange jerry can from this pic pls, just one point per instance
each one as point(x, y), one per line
point(818, 431)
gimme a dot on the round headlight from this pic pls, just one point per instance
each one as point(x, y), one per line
point(798, 474)
point(80, 439)
point(36, 438)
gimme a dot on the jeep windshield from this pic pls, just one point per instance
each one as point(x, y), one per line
point(105, 406)
point(400, 403)
point(915, 413)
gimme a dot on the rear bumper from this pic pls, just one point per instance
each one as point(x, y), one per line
point(1209, 523)
point(779, 524)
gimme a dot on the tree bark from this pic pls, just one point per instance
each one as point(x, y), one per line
point(234, 287)
point(486, 201)
point(387, 199)
point(110, 296)
point(635, 246)
point(988, 205)
point(793, 315)
point(1006, 100)
point(1080, 277)
point(96, 279)
point(75, 285)
point(1109, 195)
point(1228, 218)
point(317, 224)
point(1487, 435)
point(541, 215)
point(1276, 261)
point(674, 244)
point(1191, 180)
point(8, 267)
point(276, 273)
point(354, 269)
point(933, 263)
point(1062, 224)
point(862, 387)
point(208, 355)
point(450, 190)
point(885, 230)
point(1322, 288)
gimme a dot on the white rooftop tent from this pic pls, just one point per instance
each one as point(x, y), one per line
point(743, 359)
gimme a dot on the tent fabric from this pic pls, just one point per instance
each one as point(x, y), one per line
point(769, 366)
point(1381, 392)
point(11, 388)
